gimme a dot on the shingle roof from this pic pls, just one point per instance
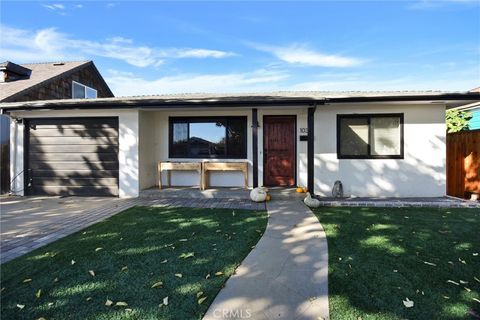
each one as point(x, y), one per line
point(41, 73)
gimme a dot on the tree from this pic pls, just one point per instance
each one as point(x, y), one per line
point(457, 120)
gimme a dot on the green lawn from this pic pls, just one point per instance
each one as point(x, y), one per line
point(128, 254)
point(378, 257)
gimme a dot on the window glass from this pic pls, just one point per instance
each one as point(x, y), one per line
point(78, 91)
point(90, 93)
point(354, 135)
point(385, 136)
point(206, 137)
point(236, 137)
point(370, 136)
point(180, 139)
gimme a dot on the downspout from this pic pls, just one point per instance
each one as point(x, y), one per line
point(310, 149)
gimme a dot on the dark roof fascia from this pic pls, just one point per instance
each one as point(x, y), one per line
point(439, 97)
point(179, 103)
point(47, 81)
point(156, 104)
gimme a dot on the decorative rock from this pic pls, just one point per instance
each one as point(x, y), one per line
point(311, 202)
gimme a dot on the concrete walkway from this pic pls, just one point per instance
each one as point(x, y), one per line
point(285, 276)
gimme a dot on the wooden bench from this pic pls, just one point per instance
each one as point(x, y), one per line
point(177, 166)
point(224, 166)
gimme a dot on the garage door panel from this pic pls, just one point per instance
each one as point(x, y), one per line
point(73, 140)
point(74, 166)
point(73, 181)
point(75, 174)
point(51, 156)
point(75, 191)
point(85, 148)
point(74, 156)
point(61, 132)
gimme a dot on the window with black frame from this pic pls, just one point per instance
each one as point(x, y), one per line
point(208, 137)
point(370, 136)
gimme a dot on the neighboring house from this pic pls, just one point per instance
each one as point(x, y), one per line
point(474, 109)
point(46, 81)
point(380, 144)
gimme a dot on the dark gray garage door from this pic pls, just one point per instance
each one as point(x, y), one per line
point(74, 156)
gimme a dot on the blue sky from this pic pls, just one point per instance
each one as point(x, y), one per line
point(158, 47)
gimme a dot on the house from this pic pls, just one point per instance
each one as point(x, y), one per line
point(378, 144)
point(45, 81)
point(474, 110)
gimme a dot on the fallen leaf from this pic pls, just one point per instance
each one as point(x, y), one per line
point(207, 276)
point(446, 297)
point(429, 263)
point(463, 282)
point(27, 280)
point(462, 261)
point(186, 255)
point(200, 301)
point(453, 282)
point(475, 299)
point(72, 262)
point(125, 268)
point(233, 213)
point(219, 273)
point(108, 303)
point(157, 284)
point(395, 270)
point(408, 303)
point(41, 318)
point(165, 301)
point(92, 273)
point(55, 280)
point(178, 275)
point(38, 294)
point(476, 279)
point(1, 290)
point(164, 261)
point(121, 304)
point(50, 304)
point(20, 306)
point(475, 254)
point(467, 289)
point(199, 294)
point(450, 262)
point(98, 249)
point(183, 240)
point(88, 299)
point(128, 310)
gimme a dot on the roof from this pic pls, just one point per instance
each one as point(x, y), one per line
point(42, 73)
point(281, 98)
point(13, 67)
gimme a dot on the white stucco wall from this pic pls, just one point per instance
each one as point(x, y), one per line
point(154, 147)
point(128, 145)
point(421, 173)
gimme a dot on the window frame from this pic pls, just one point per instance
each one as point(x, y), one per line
point(84, 90)
point(369, 116)
point(207, 119)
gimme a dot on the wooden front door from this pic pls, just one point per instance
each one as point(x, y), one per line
point(279, 150)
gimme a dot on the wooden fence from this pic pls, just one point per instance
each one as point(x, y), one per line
point(463, 164)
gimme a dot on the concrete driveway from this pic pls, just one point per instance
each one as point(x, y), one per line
point(27, 223)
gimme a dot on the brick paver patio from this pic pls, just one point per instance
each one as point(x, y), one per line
point(21, 241)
